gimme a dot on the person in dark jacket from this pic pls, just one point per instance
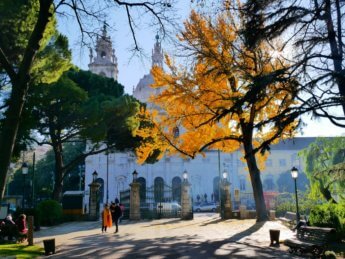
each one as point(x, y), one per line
point(112, 210)
point(117, 214)
point(9, 228)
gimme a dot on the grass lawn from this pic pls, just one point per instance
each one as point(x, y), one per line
point(20, 250)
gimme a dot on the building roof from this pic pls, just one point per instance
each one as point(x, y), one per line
point(297, 143)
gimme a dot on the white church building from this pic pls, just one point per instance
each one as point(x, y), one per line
point(115, 169)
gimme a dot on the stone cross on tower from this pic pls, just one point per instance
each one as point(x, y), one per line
point(157, 54)
point(105, 62)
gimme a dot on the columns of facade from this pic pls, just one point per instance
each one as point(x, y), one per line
point(134, 210)
point(186, 201)
point(226, 200)
point(94, 201)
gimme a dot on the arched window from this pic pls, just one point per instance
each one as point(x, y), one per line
point(159, 189)
point(176, 189)
point(216, 188)
point(242, 184)
point(142, 189)
point(269, 183)
point(103, 54)
point(176, 132)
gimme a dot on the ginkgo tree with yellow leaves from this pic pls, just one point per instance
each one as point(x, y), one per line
point(231, 97)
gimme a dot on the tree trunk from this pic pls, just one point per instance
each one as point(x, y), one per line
point(336, 49)
point(20, 86)
point(9, 131)
point(254, 172)
point(55, 134)
point(59, 172)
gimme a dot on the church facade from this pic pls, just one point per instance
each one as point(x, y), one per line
point(115, 169)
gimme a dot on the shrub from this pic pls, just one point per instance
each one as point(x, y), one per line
point(50, 212)
point(282, 208)
point(329, 215)
point(287, 202)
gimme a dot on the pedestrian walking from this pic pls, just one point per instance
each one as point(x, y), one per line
point(112, 210)
point(106, 218)
point(117, 215)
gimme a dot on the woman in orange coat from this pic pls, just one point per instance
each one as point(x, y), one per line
point(106, 218)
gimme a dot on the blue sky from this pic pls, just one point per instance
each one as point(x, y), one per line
point(133, 67)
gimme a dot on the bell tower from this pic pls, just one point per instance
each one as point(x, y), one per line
point(157, 54)
point(105, 62)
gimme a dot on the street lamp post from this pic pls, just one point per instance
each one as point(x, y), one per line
point(294, 174)
point(185, 176)
point(33, 203)
point(94, 176)
point(225, 175)
point(222, 196)
point(220, 179)
point(107, 198)
point(135, 176)
point(25, 170)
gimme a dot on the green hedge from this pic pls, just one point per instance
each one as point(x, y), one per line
point(329, 215)
point(50, 212)
point(287, 202)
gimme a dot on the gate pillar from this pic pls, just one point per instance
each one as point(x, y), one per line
point(134, 209)
point(186, 201)
point(227, 213)
point(94, 201)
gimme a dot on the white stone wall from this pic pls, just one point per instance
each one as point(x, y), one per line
point(201, 171)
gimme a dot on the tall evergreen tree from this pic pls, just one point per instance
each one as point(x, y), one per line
point(81, 106)
point(36, 36)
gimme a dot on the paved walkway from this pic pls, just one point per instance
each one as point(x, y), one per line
point(207, 236)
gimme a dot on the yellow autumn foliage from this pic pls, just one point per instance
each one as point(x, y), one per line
point(226, 100)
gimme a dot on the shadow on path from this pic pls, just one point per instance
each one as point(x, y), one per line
point(247, 232)
point(66, 228)
point(112, 245)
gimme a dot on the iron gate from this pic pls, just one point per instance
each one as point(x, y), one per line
point(157, 201)
point(124, 199)
point(161, 201)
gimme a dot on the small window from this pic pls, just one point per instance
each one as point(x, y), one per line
point(103, 54)
point(269, 162)
point(242, 184)
point(176, 132)
point(282, 162)
point(269, 184)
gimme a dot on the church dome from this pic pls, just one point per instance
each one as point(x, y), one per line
point(143, 90)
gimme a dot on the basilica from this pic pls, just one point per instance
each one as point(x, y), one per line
point(114, 170)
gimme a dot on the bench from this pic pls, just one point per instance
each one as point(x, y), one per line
point(310, 239)
point(289, 218)
point(10, 233)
